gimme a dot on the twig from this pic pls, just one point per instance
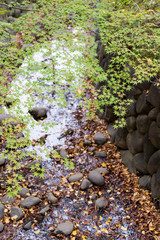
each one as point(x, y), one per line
point(23, 9)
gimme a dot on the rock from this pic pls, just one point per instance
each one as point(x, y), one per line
point(134, 92)
point(24, 192)
point(2, 161)
point(101, 53)
point(9, 118)
point(148, 148)
point(131, 109)
point(1, 227)
point(86, 142)
point(120, 138)
point(65, 228)
point(95, 176)
point(20, 135)
point(34, 163)
point(155, 187)
point(139, 163)
point(144, 85)
point(85, 184)
point(2, 207)
point(38, 112)
point(112, 132)
point(158, 120)
point(100, 139)
point(154, 95)
point(27, 225)
point(93, 196)
point(44, 210)
point(16, 213)
point(154, 162)
point(101, 203)
point(101, 154)
point(127, 159)
point(63, 153)
point(40, 218)
point(52, 198)
point(7, 199)
point(145, 182)
point(158, 175)
point(142, 106)
point(154, 135)
point(91, 149)
point(153, 114)
point(135, 142)
point(76, 177)
point(131, 123)
point(11, 19)
point(30, 202)
point(143, 123)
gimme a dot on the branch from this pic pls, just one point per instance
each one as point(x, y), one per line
point(23, 9)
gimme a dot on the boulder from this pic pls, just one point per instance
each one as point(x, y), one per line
point(120, 138)
point(2, 207)
point(158, 120)
point(112, 132)
point(139, 163)
point(7, 199)
point(142, 106)
point(153, 114)
point(30, 202)
point(65, 228)
point(38, 112)
point(100, 138)
point(135, 142)
point(76, 177)
point(145, 182)
point(9, 118)
point(85, 184)
point(155, 188)
point(144, 85)
point(52, 198)
point(142, 123)
point(131, 109)
point(131, 123)
point(148, 148)
point(101, 154)
point(154, 95)
point(154, 163)
point(127, 159)
point(158, 175)
point(101, 203)
point(16, 213)
point(154, 135)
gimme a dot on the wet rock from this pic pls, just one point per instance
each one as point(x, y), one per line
point(154, 162)
point(101, 203)
point(38, 112)
point(101, 154)
point(24, 192)
point(30, 202)
point(131, 123)
point(34, 163)
point(154, 134)
point(143, 123)
point(131, 109)
point(85, 184)
point(96, 176)
point(158, 175)
point(135, 142)
point(76, 177)
point(120, 139)
point(63, 153)
point(158, 120)
point(91, 149)
point(154, 95)
point(153, 114)
point(44, 210)
point(155, 187)
point(148, 148)
point(65, 228)
point(27, 225)
point(145, 182)
point(1, 227)
point(100, 139)
point(2, 207)
point(127, 159)
point(52, 198)
point(139, 163)
point(142, 107)
point(112, 132)
point(7, 199)
point(16, 213)
point(2, 161)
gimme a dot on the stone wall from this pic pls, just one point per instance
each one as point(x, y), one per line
point(139, 141)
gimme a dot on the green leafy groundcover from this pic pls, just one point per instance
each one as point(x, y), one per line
point(130, 31)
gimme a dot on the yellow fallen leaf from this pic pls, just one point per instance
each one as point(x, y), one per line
point(14, 217)
point(83, 237)
point(79, 91)
point(104, 230)
point(143, 232)
point(36, 232)
point(74, 233)
point(123, 228)
point(103, 164)
point(7, 220)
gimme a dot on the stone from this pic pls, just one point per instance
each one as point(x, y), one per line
point(143, 122)
point(93, 196)
point(131, 109)
point(86, 142)
point(101, 203)
point(24, 192)
point(145, 182)
point(153, 114)
point(142, 107)
point(76, 177)
point(100, 139)
point(1, 227)
point(95, 176)
point(85, 184)
point(11, 119)
point(63, 153)
point(120, 138)
point(131, 123)
point(158, 175)
point(29, 202)
point(2, 161)
point(2, 207)
point(27, 225)
point(101, 53)
point(134, 92)
point(127, 159)
point(154, 162)
point(148, 148)
point(155, 188)
point(158, 120)
point(52, 198)
point(154, 95)
point(139, 163)
point(135, 142)
point(101, 154)
point(44, 210)
point(145, 85)
point(112, 132)
point(154, 135)
point(40, 218)
point(7, 199)
point(34, 163)
point(38, 112)
point(20, 135)
point(91, 149)
point(16, 213)
point(65, 228)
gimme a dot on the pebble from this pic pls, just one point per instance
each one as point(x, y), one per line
point(76, 177)
point(101, 203)
point(100, 139)
point(16, 213)
point(30, 202)
point(65, 228)
point(85, 184)
point(52, 198)
point(1, 227)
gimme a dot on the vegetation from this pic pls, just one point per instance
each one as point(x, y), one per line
point(129, 30)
